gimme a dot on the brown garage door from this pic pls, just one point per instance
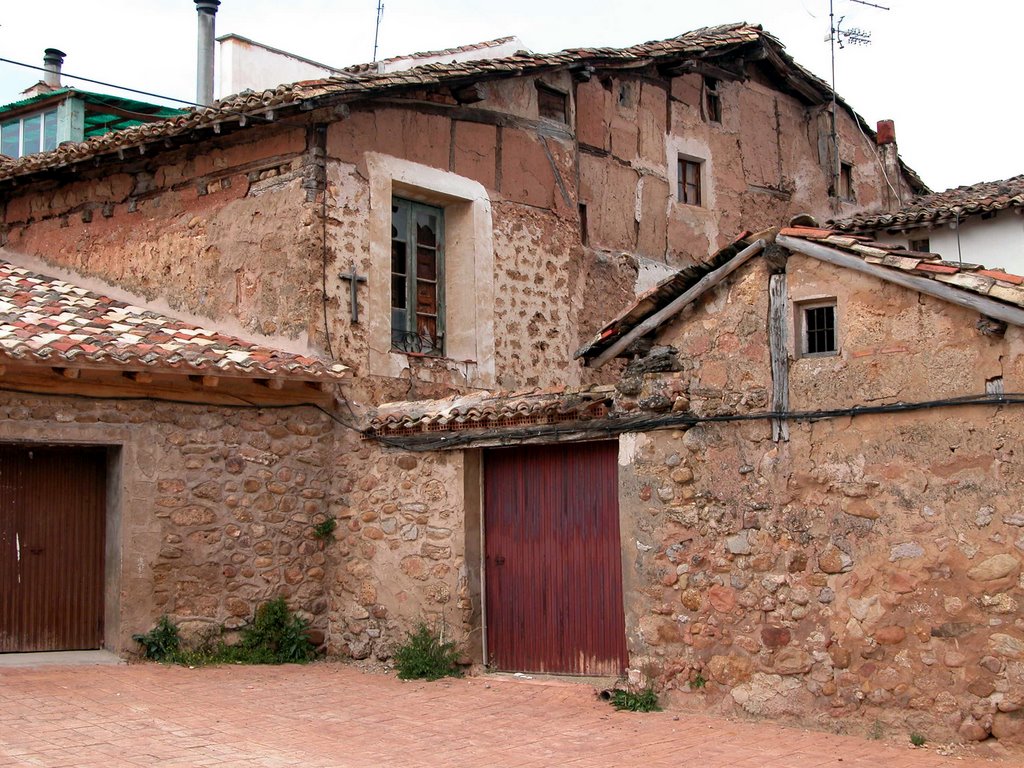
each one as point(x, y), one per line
point(552, 560)
point(52, 519)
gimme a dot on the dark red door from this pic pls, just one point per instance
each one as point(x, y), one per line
point(52, 526)
point(553, 567)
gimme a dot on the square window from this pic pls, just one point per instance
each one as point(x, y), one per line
point(552, 104)
point(818, 328)
point(417, 277)
point(689, 181)
point(923, 245)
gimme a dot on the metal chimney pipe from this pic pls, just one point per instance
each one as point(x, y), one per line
point(53, 60)
point(207, 10)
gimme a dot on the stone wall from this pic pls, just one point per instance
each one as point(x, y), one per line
point(212, 512)
point(864, 575)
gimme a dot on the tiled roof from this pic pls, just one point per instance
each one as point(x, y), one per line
point(247, 107)
point(658, 297)
point(973, 278)
point(49, 321)
point(491, 410)
point(941, 207)
point(375, 66)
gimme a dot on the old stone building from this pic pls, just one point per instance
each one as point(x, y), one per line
point(457, 229)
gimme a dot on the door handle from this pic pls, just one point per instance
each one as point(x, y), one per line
point(500, 560)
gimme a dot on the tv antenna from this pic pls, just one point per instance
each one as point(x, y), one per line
point(376, 32)
point(843, 37)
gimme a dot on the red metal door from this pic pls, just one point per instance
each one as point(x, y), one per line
point(552, 560)
point(52, 526)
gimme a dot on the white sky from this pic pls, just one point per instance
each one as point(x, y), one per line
point(947, 72)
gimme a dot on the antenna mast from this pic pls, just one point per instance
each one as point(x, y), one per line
point(376, 33)
point(853, 36)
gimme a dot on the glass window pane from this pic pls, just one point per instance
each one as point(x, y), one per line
point(398, 265)
point(50, 130)
point(9, 133)
point(398, 292)
point(399, 212)
point(426, 298)
point(31, 133)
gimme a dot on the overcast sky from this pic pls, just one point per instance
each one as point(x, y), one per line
point(947, 72)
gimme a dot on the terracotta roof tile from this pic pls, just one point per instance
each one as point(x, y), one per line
point(50, 321)
point(350, 86)
point(490, 410)
point(941, 207)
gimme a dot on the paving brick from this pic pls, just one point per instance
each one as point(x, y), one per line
point(326, 715)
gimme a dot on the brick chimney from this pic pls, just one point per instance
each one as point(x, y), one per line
point(897, 193)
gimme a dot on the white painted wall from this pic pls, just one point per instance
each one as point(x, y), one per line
point(246, 64)
point(498, 51)
point(997, 242)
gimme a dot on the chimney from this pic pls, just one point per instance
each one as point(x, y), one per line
point(53, 60)
point(207, 10)
point(886, 133)
point(897, 191)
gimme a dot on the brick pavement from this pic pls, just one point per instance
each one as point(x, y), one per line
point(337, 715)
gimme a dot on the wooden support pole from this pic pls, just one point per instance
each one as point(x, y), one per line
point(927, 286)
point(666, 313)
point(778, 313)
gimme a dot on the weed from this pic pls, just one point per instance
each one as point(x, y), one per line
point(698, 682)
point(426, 656)
point(325, 528)
point(160, 643)
point(917, 739)
point(276, 636)
point(645, 700)
point(876, 731)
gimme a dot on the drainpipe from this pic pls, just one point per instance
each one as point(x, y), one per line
point(53, 60)
point(207, 10)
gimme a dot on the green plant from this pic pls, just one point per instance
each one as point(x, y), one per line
point(917, 739)
point(645, 700)
point(876, 731)
point(698, 682)
point(162, 642)
point(426, 656)
point(276, 636)
point(325, 528)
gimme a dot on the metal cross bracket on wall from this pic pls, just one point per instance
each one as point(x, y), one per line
point(353, 281)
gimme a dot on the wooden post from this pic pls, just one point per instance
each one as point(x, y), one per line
point(778, 313)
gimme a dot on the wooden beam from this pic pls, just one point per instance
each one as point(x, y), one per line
point(778, 313)
point(67, 373)
point(206, 381)
point(927, 286)
point(666, 313)
point(272, 383)
point(139, 377)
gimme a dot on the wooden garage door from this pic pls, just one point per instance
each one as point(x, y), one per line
point(52, 520)
point(552, 560)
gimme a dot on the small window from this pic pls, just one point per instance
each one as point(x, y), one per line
point(552, 103)
point(921, 246)
point(690, 181)
point(846, 181)
point(712, 100)
point(417, 278)
point(818, 328)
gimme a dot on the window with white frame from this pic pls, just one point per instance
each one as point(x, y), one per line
point(417, 277)
point(30, 134)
